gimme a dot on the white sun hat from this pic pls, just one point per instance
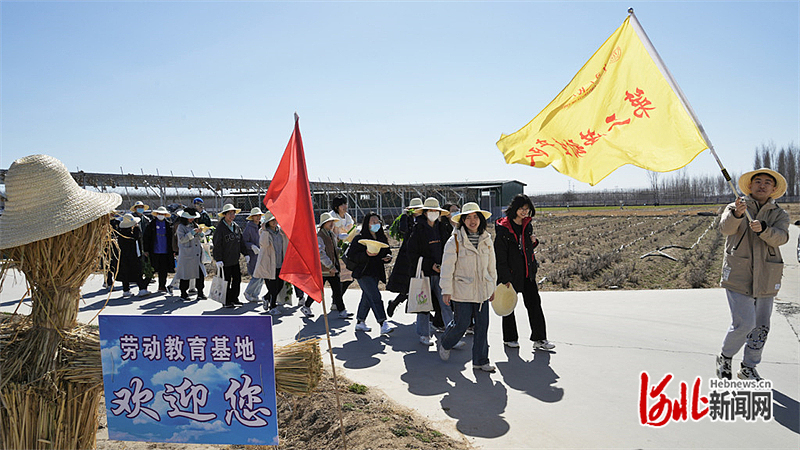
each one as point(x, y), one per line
point(229, 207)
point(267, 217)
point(161, 210)
point(187, 215)
point(255, 212)
point(415, 203)
point(433, 204)
point(43, 201)
point(128, 221)
point(505, 300)
point(373, 246)
point(140, 203)
point(471, 207)
point(325, 218)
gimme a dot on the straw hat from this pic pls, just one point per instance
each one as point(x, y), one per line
point(416, 203)
point(325, 218)
point(229, 207)
point(43, 201)
point(780, 186)
point(162, 210)
point(267, 217)
point(254, 212)
point(432, 203)
point(128, 221)
point(505, 300)
point(471, 207)
point(373, 246)
point(140, 203)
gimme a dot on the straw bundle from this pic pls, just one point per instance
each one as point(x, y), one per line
point(50, 370)
point(298, 367)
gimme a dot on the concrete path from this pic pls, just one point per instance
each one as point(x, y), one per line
point(584, 394)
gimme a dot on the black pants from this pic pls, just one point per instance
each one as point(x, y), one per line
point(233, 275)
point(140, 283)
point(533, 303)
point(336, 287)
point(163, 262)
point(273, 288)
point(199, 284)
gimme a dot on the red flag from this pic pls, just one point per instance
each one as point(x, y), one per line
point(289, 199)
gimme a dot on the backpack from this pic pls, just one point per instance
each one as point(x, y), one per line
point(349, 263)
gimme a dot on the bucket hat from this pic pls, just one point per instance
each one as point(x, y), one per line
point(128, 221)
point(471, 207)
point(433, 203)
point(267, 217)
point(254, 212)
point(229, 207)
point(780, 182)
point(140, 203)
point(415, 203)
point(43, 201)
point(325, 218)
point(189, 215)
point(162, 210)
point(505, 300)
point(373, 246)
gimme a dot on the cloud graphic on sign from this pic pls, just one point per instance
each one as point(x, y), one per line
point(195, 430)
point(112, 357)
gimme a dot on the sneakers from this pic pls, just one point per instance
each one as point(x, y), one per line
point(392, 306)
point(386, 327)
point(184, 296)
point(306, 311)
point(486, 367)
point(459, 345)
point(201, 296)
point(748, 373)
point(425, 340)
point(344, 314)
point(362, 326)
point(542, 345)
point(143, 293)
point(126, 294)
point(471, 329)
point(512, 344)
point(334, 307)
point(192, 291)
point(444, 354)
point(723, 367)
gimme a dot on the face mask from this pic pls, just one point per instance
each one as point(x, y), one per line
point(432, 215)
point(159, 217)
point(140, 210)
point(375, 227)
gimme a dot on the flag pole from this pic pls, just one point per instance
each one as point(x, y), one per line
point(684, 101)
point(333, 370)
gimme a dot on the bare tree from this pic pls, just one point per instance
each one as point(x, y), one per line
point(653, 177)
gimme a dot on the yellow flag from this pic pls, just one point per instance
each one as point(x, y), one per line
point(619, 109)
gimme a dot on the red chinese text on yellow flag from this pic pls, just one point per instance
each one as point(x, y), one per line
point(619, 109)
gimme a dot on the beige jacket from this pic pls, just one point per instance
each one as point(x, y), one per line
point(752, 264)
point(470, 275)
point(265, 266)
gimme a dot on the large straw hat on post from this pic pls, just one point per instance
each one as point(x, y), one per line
point(55, 233)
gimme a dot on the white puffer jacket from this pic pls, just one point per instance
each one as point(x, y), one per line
point(471, 275)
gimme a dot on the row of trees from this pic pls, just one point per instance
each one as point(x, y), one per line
point(681, 188)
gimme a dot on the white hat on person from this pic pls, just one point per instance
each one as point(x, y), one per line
point(325, 218)
point(229, 207)
point(129, 221)
point(415, 203)
point(43, 201)
point(433, 203)
point(471, 207)
point(162, 211)
point(255, 212)
point(140, 203)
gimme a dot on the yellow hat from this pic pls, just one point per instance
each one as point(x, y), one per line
point(373, 246)
point(780, 182)
point(505, 300)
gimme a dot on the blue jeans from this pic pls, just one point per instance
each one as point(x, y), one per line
point(253, 288)
point(464, 311)
point(424, 319)
point(370, 299)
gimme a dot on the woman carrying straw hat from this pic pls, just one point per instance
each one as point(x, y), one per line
point(427, 242)
point(228, 245)
point(130, 256)
point(158, 246)
point(468, 279)
point(190, 266)
point(516, 267)
point(272, 249)
point(370, 257)
point(329, 258)
point(251, 238)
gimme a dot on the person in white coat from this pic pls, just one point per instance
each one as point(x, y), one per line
point(468, 279)
point(190, 266)
point(273, 244)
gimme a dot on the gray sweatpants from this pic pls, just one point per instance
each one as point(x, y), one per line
point(749, 324)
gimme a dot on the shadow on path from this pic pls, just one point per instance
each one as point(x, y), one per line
point(478, 406)
point(536, 378)
point(786, 411)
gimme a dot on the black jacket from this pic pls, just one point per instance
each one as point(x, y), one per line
point(427, 242)
point(514, 254)
point(130, 263)
point(150, 236)
point(369, 266)
point(228, 245)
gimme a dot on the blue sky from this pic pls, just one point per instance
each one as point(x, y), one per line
point(386, 91)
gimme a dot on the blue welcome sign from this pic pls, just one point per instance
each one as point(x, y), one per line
point(189, 379)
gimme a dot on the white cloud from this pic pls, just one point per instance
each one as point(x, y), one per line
point(208, 375)
point(194, 431)
point(112, 358)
